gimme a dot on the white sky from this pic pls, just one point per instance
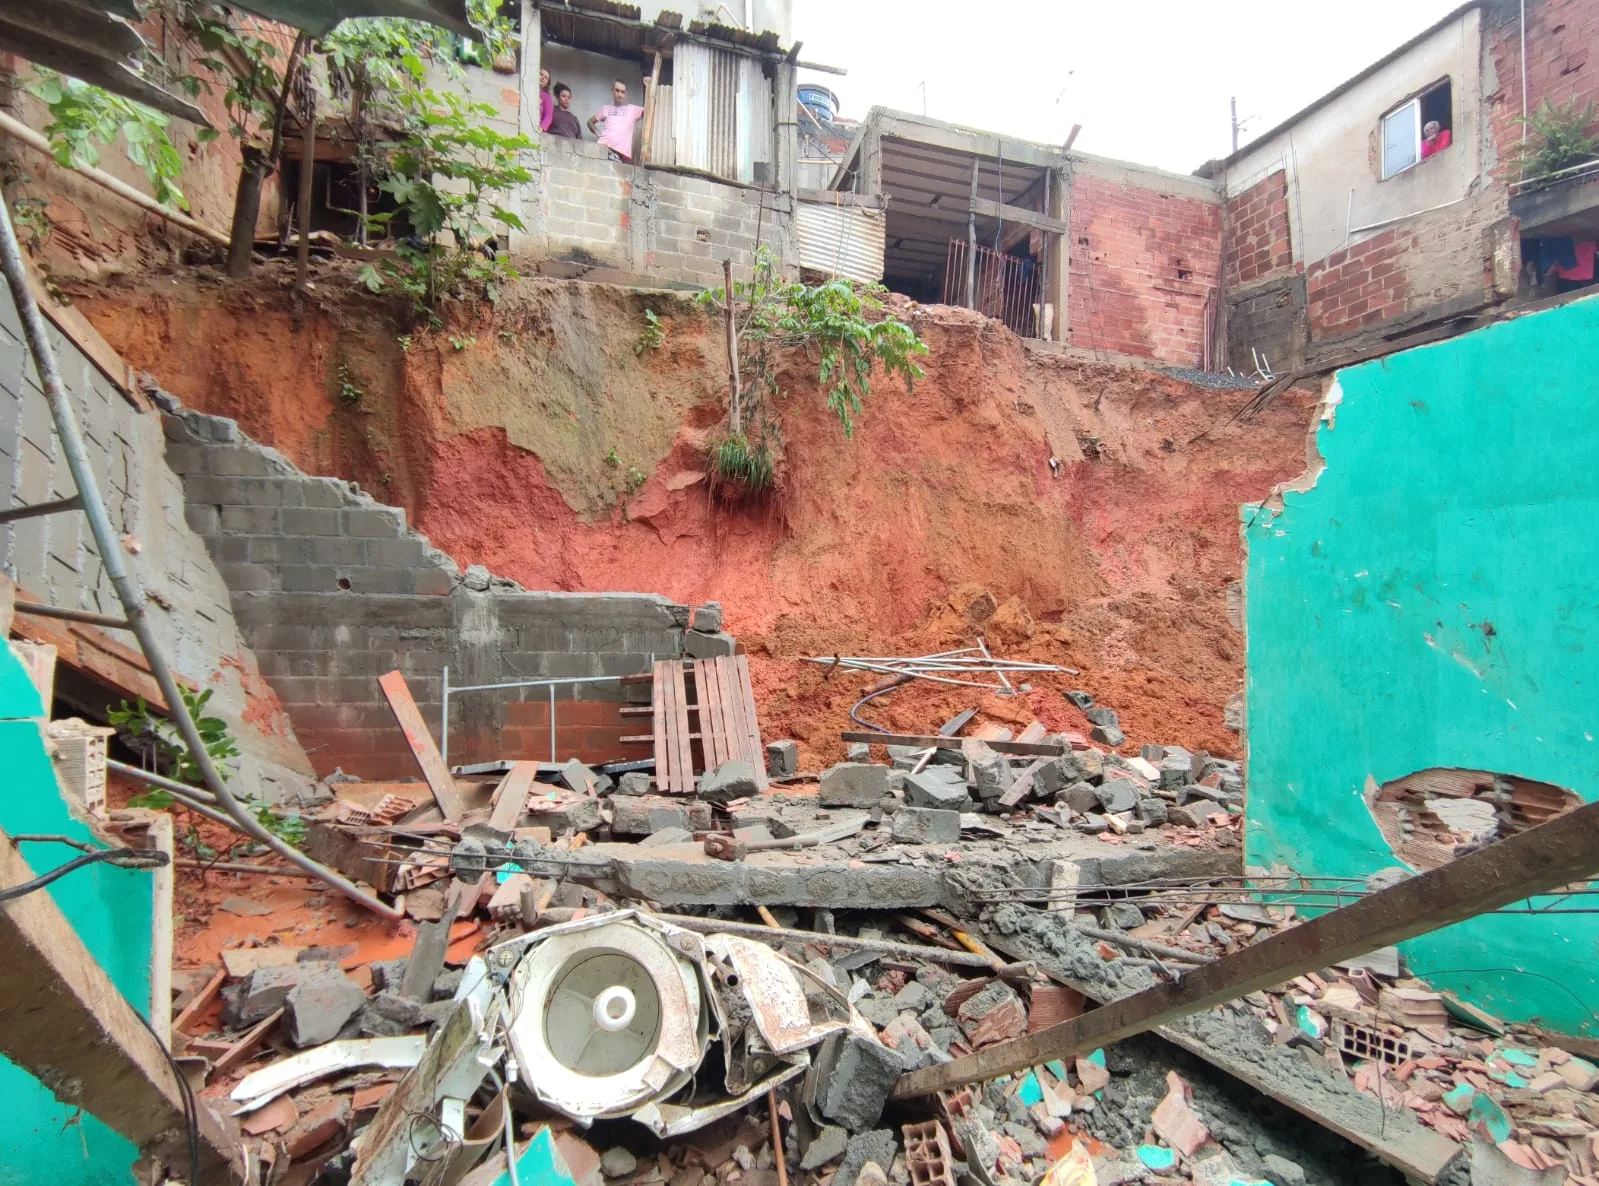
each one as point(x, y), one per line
point(1149, 80)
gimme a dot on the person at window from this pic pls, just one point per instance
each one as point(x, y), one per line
point(546, 101)
point(613, 124)
point(1434, 139)
point(562, 121)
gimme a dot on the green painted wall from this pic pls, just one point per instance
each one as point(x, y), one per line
point(1434, 601)
point(43, 1142)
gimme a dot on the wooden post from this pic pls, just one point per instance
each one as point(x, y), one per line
point(302, 263)
point(65, 1023)
point(649, 107)
point(1541, 859)
point(736, 414)
point(971, 242)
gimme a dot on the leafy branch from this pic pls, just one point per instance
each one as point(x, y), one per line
point(1557, 138)
point(83, 117)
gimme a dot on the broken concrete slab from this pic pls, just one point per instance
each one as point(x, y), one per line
point(1100, 715)
point(1117, 794)
point(937, 787)
point(1107, 735)
point(315, 1010)
point(1081, 699)
point(1153, 812)
point(926, 825)
point(634, 782)
point(390, 1015)
point(826, 1146)
point(854, 1075)
point(263, 991)
point(667, 836)
point(645, 815)
point(731, 780)
point(1082, 797)
point(857, 751)
point(569, 813)
point(853, 784)
point(875, 1148)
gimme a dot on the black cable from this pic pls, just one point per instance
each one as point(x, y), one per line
point(127, 858)
point(863, 700)
point(191, 1108)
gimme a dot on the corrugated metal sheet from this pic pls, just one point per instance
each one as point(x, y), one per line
point(841, 240)
point(754, 122)
point(663, 141)
point(691, 105)
point(724, 113)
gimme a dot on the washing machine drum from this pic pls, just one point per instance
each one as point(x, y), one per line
point(606, 1018)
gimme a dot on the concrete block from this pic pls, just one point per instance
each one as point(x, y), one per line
point(317, 1009)
point(1152, 811)
point(924, 825)
point(633, 783)
point(1107, 735)
point(991, 775)
point(323, 492)
point(251, 520)
point(697, 645)
point(263, 991)
point(1119, 794)
point(243, 461)
point(203, 519)
point(825, 1147)
point(404, 552)
point(854, 1077)
point(853, 784)
point(729, 781)
point(310, 521)
point(379, 522)
point(645, 815)
point(938, 787)
point(572, 814)
point(782, 759)
point(708, 618)
point(873, 1148)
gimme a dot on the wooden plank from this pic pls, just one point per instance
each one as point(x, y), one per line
point(67, 1024)
point(423, 748)
point(246, 1046)
point(707, 704)
point(1020, 749)
point(685, 756)
point(752, 725)
point(1564, 850)
point(663, 764)
point(732, 709)
point(671, 784)
point(510, 797)
point(202, 1001)
point(727, 734)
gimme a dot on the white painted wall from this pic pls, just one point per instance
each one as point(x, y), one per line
point(776, 16)
point(1333, 155)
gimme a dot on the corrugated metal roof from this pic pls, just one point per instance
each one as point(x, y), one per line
point(841, 240)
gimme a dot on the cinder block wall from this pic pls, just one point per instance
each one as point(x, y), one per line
point(53, 558)
point(332, 591)
point(668, 226)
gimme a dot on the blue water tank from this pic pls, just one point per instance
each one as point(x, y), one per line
point(822, 102)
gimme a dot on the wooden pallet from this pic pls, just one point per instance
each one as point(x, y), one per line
point(719, 698)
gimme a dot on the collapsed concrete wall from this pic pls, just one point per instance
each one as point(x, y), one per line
point(53, 558)
point(1416, 618)
point(332, 591)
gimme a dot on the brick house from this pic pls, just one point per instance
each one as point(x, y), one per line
point(1346, 220)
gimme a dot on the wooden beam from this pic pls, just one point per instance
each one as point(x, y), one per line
point(65, 1023)
point(1032, 218)
point(1020, 749)
point(423, 747)
point(1557, 853)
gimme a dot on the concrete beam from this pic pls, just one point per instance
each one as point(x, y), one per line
point(919, 130)
point(1031, 218)
point(65, 1023)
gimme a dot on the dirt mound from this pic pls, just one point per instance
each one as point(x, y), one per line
point(1091, 510)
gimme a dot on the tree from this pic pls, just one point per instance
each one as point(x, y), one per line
point(844, 328)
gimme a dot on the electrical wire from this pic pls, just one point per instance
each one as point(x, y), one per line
point(126, 858)
point(191, 1107)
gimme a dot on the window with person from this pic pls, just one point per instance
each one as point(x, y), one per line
point(1419, 128)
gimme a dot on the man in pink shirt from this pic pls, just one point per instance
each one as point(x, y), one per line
point(613, 124)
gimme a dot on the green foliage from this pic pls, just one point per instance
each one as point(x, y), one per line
point(462, 343)
point(153, 800)
point(290, 828)
point(405, 341)
point(248, 65)
point(84, 117)
point(1557, 138)
point(159, 737)
point(349, 390)
point(845, 329)
point(634, 478)
point(746, 469)
point(652, 336)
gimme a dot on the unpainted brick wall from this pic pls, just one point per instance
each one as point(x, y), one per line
point(333, 590)
point(1562, 66)
point(1142, 263)
point(1261, 244)
point(53, 557)
point(674, 227)
point(1361, 285)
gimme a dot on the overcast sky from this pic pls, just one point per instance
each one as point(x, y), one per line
point(1149, 80)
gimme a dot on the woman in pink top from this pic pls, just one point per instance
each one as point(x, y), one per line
point(546, 103)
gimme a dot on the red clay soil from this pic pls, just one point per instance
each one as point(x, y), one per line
point(1115, 562)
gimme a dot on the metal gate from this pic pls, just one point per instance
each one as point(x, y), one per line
point(1004, 287)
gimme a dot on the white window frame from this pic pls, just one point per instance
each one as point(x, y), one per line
point(1414, 107)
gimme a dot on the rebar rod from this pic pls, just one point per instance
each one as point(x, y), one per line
point(128, 590)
